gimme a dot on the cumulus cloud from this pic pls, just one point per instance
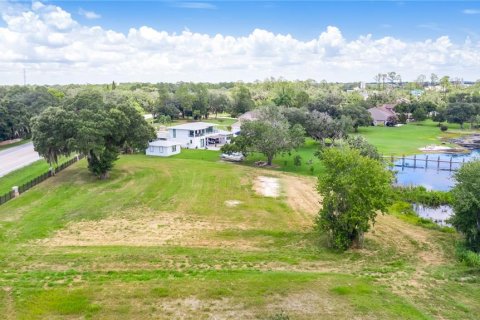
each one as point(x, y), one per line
point(195, 5)
point(89, 14)
point(54, 48)
point(471, 11)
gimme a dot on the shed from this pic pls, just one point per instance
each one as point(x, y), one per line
point(163, 148)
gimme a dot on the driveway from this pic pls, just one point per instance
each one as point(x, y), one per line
point(17, 157)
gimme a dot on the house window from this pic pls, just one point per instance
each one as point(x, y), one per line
point(174, 133)
point(202, 143)
point(174, 148)
point(191, 133)
point(150, 148)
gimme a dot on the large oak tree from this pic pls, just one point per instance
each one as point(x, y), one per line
point(88, 125)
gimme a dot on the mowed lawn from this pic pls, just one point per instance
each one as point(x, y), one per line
point(25, 174)
point(188, 237)
point(409, 138)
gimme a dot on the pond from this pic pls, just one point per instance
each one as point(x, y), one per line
point(434, 176)
point(439, 215)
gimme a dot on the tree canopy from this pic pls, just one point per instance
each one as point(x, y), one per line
point(270, 135)
point(86, 124)
point(354, 189)
point(466, 204)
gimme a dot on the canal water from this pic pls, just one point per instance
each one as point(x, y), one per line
point(431, 176)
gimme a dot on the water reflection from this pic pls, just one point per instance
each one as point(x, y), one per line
point(438, 215)
point(433, 174)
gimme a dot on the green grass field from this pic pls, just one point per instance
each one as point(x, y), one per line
point(389, 141)
point(160, 240)
point(25, 174)
point(409, 138)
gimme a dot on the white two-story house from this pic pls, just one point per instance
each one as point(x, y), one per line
point(198, 135)
point(193, 135)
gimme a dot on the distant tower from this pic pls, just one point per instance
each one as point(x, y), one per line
point(24, 77)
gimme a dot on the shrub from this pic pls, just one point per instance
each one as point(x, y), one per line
point(443, 128)
point(468, 257)
point(423, 196)
point(297, 160)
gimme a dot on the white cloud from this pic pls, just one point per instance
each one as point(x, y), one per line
point(471, 11)
point(195, 5)
point(89, 14)
point(54, 48)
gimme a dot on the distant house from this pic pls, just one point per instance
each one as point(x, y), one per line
point(247, 116)
point(382, 115)
point(163, 148)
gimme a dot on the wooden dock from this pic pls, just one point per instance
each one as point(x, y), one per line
point(425, 162)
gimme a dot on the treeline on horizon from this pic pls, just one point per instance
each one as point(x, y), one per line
point(441, 99)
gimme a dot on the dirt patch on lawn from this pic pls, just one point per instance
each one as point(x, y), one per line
point(194, 308)
point(407, 238)
point(308, 304)
point(302, 195)
point(150, 229)
point(267, 186)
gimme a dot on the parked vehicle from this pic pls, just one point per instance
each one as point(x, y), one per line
point(235, 157)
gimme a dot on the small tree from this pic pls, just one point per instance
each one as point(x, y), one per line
point(354, 189)
point(242, 101)
point(466, 204)
point(359, 115)
point(419, 114)
point(459, 113)
point(270, 135)
point(319, 125)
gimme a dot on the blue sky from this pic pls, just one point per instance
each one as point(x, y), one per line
point(408, 20)
point(101, 41)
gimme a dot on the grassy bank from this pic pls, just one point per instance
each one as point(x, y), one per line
point(161, 239)
point(25, 174)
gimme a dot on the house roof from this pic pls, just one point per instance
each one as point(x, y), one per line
point(250, 115)
point(192, 126)
point(382, 113)
point(223, 132)
point(163, 143)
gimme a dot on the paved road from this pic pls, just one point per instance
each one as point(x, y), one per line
point(17, 157)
